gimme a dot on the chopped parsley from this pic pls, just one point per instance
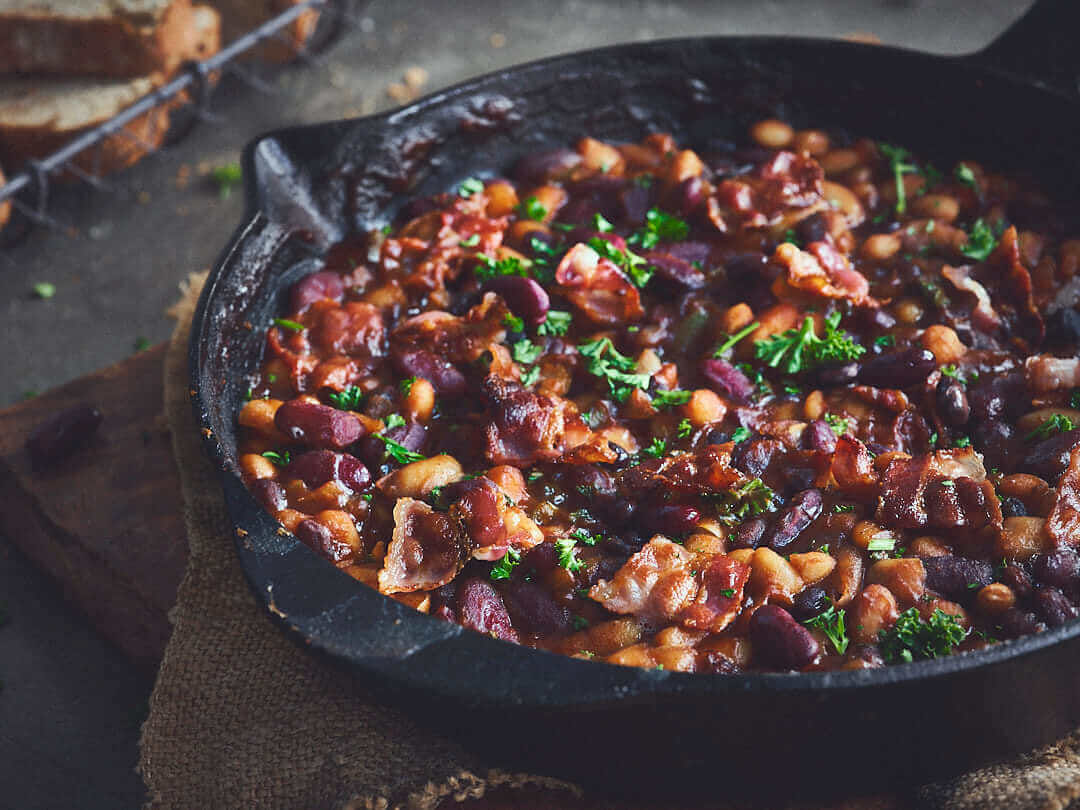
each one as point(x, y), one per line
point(966, 176)
point(885, 341)
point(566, 548)
point(657, 447)
point(727, 593)
point(601, 224)
point(583, 536)
point(736, 504)
point(981, 242)
point(618, 369)
point(838, 424)
point(723, 348)
point(740, 434)
point(471, 241)
point(347, 400)
point(684, 429)
point(525, 351)
point(831, 623)
point(292, 326)
point(635, 267)
point(659, 227)
point(1058, 423)
point(141, 344)
point(533, 209)
point(882, 541)
point(668, 399)
point(279, 459)
point(899, 165)
point(962, 441)
point(489, 268)
point(513, 322)
point(799, 349)
point(838, 508)
point(394, 420)
point(579, 622)
point(912, 639)
point(530, 375)
point(470, 186)
point(398, 452)
point(227, 178)
point(1074, 399)
point(556, 323)
point(504, 567)
point(405, 386)
point(44, 290)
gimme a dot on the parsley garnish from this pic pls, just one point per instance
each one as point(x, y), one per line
point(347, 400)
point(279, 459)
point(831, 623)
point(530, 375)
point(292, 326)
point(513, 322)
point(746, 500)
point(394, 420)
point(659, 227)
point(733, 339)
point(898, 163)
point(912, 639)
point(556, 323)
point(471, 241)
point(141, 344)
point(838, 424)
point(966, 176)
point(618, 369)
point(44, 289)
point(1058, 423)
point(740, 434)
point(885, 341)
point(667, 399)
point(1074, 399)
point(489, 268)
point(583, 536)
point(532, 208)
point(525, 351)
point(405, 386)
point(566, 548)
point(842, 507)
point(579, 622)
point(684, 429)
point(470, 186)
point(657, 447)
point(981, 242)
point(504, 567)
point(882, 541)
point(226, 177)
point(398, 452)
point(799, 349)
point(963, 441)
point(635, 267)
point(789, 236)
point(601, 224)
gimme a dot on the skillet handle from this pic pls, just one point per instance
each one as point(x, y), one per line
point(1039, 47)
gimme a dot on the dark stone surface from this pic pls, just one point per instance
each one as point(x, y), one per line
point(71, 707)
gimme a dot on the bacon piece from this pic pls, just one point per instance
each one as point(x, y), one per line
point(944, 490)
point(427, 550)
point(294, 350)
point(596, 286)
point(525, 427)
point(852, 467)
point(1017, 290)
point(492, 521)
point(704, 471)
point(1045, 373)
point(660, 583)
point(1063, 524)
point(788, 181)
point(983, 317)
point(822, 270)
point(354, 329)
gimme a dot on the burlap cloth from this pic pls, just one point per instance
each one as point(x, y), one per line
point(240, 717)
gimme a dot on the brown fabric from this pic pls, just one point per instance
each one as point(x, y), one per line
point(240, 717)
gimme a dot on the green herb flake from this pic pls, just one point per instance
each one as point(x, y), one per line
point(555, 324)
point(405, 386)
point(533, 209)
point(668, 399)
point(504, 567)
point(635, 267)
point(579, 622)
point(525, 351)
point(730, 342)
point(839, 424)
point(44, 290)
point(800, 349)
point(659, 227)
point(962, 441)
point(529, 376)
point(899, 164)
point(1058, 423)
point(141, 344)
point(566, 549)
point(736, 504)
point(912, 639)
point(831, 623)
point(657, 448)
point(227, 178)
point(585, 537)
point(291, 326)
point(606, 362)
point(470, 186)
point(398, 452)
point(843, 507)
point(601, 224)
point(394, 420)
point(684, 429)
point(1074, 399)
point(981, 242)
point(489, 268)
point(740, 434)
point(279, 459)
point(882, 541)
point(966, 176)
point(471, 241)
point(348, 399)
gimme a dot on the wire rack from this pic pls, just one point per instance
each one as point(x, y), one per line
point(29, 190)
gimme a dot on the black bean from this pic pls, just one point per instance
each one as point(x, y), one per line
point(672, 520)
point(812, 229)
point(533, 609)
point(803, 509)
point(1060, 568)
point(60, 434)
point(898, 370)
point(748, 535)
point(1013, 507)
point(1049, 458)
point(951, 576)
point(810, 602)
point(1017, 578)
point(952, 403)
point(1014, 623)
point(1053, 607)
point(781, 641)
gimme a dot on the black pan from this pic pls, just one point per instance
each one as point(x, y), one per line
point(629, 728)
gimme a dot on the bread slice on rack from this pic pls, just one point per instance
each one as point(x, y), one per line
point(108, 38)
point(240, 16)
point(38, 115)
point(5, 206)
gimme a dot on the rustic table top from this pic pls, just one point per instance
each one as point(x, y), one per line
point(70, 738)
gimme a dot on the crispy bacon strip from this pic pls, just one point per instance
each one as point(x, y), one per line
point(596, 286)
point(1063, 524)
point(524, 427)
point(787, 181)
point(492, 521)
point(704, 471)
point(852, 467)
point(1018, 290)
point(1045, 373)
point(983, 316)
point(945, 490)
point(427, 550)
point(823, 271)
point(719, 596)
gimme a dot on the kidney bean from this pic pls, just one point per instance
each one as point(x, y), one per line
point(316, 467)
point(1014, 623)
point(1053, 607)
point(819, 436)
point(997, 441)
point(320, 539)
point(952, 403)
point(753, 456)
point(812, 229)
point(781, 641)
point(802, 510)
point(675, 269)
point(533, 609)
point(689, 251)
point(899, 369)
point(950, 576)
point(634, 201)
point(725, 379)
point(524, 296)
point(837, 374)
point(589, 480)
point(441, 373)
point(270, 494)
point(411, 436)
point(1060, 568)
point(688, 195)
point(536, 168)
point(1049, 458)
point(748, 534)
point(1013, 507)
point(481, 608)
point(799, 477)
point(672, 520)
point(810, 602)
point(992, 397)
point(316, 287)
point(1017, 578)
point(318, 425)
point(63, 432)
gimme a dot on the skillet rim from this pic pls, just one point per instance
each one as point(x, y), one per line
point(623, 683)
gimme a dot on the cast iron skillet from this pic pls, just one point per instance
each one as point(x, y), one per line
point(627, 728)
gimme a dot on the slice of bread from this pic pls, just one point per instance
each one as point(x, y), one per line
point(5, 206)
point(240, 16)
point(39, 115)
point(113, 38)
